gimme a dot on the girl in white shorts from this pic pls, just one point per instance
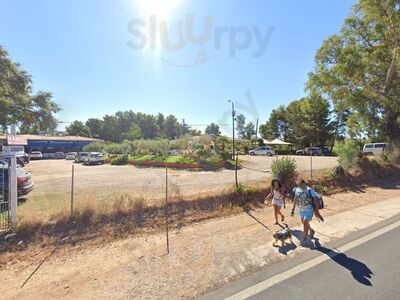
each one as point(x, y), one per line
point(278, 195)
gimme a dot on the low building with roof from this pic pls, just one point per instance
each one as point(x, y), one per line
point(52, 144)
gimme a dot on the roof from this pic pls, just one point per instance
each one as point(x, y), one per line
point(277, 142)
point(68, 138)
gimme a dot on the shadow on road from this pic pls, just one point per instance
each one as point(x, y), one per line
point(358, 269)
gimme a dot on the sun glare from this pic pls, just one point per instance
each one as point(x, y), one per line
point(161, 8)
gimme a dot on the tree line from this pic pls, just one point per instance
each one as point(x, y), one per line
point(131, 126)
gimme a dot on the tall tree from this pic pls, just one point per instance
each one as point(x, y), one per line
point(18, 105)
point(213, 129)
point(172, 127)
point(78, 128)
point(316, 125)
point(249, 131)
point(134, 133)
point(276, 126)
point(240, 124)
point(358, 69)
point(95, 126)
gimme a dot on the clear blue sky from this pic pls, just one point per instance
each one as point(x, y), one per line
point(78, 50)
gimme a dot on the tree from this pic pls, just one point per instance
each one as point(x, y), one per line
point(213, 129)
point(358, 69)
point(79, 129)
point(249, 131)
point(316, 125)
point(240, 124)
point(172, 127)
point(18, 105)
point(276, 126)
point(95, 126)
point(134, 133)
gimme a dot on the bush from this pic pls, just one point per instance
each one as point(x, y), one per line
point(94, 147)
point(348, 152)
point(285, 170)
point(120, 161)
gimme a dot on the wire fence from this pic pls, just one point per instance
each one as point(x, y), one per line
point(63, 188)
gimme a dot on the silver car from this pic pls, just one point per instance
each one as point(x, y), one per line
point(264, 150)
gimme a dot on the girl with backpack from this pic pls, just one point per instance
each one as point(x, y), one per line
point(279, 195)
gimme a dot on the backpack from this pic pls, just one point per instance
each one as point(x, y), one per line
point(318, 200)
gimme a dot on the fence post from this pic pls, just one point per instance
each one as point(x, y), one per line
point(311, 166)
point(72, 190)
point(236, 172)
point(166, 205)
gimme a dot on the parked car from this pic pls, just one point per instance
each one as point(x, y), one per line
point(35, 155)
point(314, 151)
point(300, 152)
point(24, 180)
point(326, 151)
point(59, 155)
point(374, 148)
point(80, 156)
point(70, 156)
point(264, 150)
point(94, 158)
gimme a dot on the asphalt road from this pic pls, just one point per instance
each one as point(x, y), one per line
point(362, 266)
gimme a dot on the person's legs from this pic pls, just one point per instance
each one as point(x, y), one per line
point(276, 213)
point(280, 213)
point(306, 228)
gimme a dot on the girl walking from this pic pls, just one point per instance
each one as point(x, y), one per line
point(278, 195)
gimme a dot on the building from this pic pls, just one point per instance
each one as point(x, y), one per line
point(52, 144)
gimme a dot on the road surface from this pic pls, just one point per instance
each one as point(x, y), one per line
point(362, 266)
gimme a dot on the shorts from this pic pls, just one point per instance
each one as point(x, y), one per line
point(278, 202)
point(306, 215)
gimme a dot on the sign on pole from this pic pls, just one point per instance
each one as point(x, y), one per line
point(13, 140)
point(10, 151)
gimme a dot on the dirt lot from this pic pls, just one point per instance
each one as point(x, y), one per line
point(55, 176)
point(105, 183)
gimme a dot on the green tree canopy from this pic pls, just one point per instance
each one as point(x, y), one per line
point(213, 129)
point(18, 104)
point(79, 129)
point(358, 69)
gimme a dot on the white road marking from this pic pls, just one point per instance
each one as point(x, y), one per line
point(263, 285)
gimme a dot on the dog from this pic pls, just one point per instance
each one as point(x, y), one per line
point(283, 236)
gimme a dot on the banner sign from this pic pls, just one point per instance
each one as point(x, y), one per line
point(16, 140)
point(9, 151)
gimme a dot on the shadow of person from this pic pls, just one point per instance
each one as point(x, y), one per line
point(358, 269)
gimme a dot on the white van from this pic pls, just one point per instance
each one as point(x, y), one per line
point(374, 148)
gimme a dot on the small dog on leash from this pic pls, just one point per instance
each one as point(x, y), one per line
point(283, 236)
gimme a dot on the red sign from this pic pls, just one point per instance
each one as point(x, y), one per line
point(16, 140)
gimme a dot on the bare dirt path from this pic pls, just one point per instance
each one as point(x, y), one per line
point(202, 256)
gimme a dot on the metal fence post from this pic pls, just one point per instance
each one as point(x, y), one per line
point(12, 178)
point(72, 190)
point(311, 166)
point(166, 206)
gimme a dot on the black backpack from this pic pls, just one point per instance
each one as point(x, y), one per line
point(318, 200)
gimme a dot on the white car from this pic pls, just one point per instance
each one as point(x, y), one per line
point(264, 150)
point(70, 156)
point(35, 155)
point(374, 148)
point(94, 158)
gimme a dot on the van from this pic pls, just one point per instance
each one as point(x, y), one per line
point(374, 148)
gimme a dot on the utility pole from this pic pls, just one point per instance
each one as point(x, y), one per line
point(234, 154)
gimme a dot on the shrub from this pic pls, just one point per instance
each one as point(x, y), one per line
point(120, 161)
point(94, 147)
point(285, 170)
point(348, 152)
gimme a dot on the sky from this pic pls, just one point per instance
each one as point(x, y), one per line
point(98, 57)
